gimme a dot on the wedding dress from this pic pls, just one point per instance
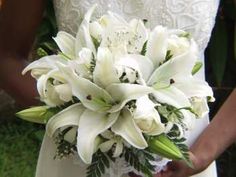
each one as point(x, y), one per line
point(194, 16)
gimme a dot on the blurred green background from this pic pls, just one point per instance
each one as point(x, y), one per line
point(20, 141)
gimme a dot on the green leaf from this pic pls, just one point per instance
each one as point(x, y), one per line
point(168, 55)
point(140, 160)
point(99, 164)
point(198, 65)
point(41, 52)
point(144, 49)
point(95, 42)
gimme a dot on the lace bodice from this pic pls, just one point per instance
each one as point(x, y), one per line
point(194, 16)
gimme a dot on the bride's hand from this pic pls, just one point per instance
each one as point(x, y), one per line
point(180, 169)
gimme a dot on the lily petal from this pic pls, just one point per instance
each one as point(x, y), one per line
point(106, 146)
point(172, 96)
point(140, 63)
point(123, 93)
point(193, 87)
point(66, 43)
point(96, 30)
point(91, 96)
point(83, 38)
point(126, 128)
point(67, 117)
point(179, 65)
point(157, 45)
point(105, 72)
point(140, 28)
point(48, 92)
point(44, 64)
point(118, 149)
point(91, 124)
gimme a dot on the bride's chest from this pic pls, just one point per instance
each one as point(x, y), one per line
point(194, 16)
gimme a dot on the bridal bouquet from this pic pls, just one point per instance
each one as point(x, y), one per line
point(120, 96)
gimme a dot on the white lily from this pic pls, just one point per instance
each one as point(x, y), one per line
point(99, 102)
point(139, 63)
point(80, 58)
point(66, 44)
point(175, 84)
point(111, 99)
point(160, 78)
point(142, 34)
point(170, 79)
point(56, 92)
point(127, 128)
point(92, 124)
point(122, 37)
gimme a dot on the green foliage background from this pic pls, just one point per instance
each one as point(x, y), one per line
point(20, 140)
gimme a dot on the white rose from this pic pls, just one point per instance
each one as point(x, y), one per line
point(178, 45)
point(199, 106)
point(96, 30)
point(147, 118)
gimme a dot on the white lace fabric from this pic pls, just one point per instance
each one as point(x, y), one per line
point(194, 16)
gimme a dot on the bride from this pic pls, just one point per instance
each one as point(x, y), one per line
point(195, 16)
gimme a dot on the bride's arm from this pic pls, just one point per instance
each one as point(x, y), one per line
point(220, 134)
point(19, 20)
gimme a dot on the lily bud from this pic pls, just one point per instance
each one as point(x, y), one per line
point(163, 146)
point(39, 114)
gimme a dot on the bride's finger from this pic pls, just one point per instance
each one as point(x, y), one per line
point(166, 174)
point(133, 175)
